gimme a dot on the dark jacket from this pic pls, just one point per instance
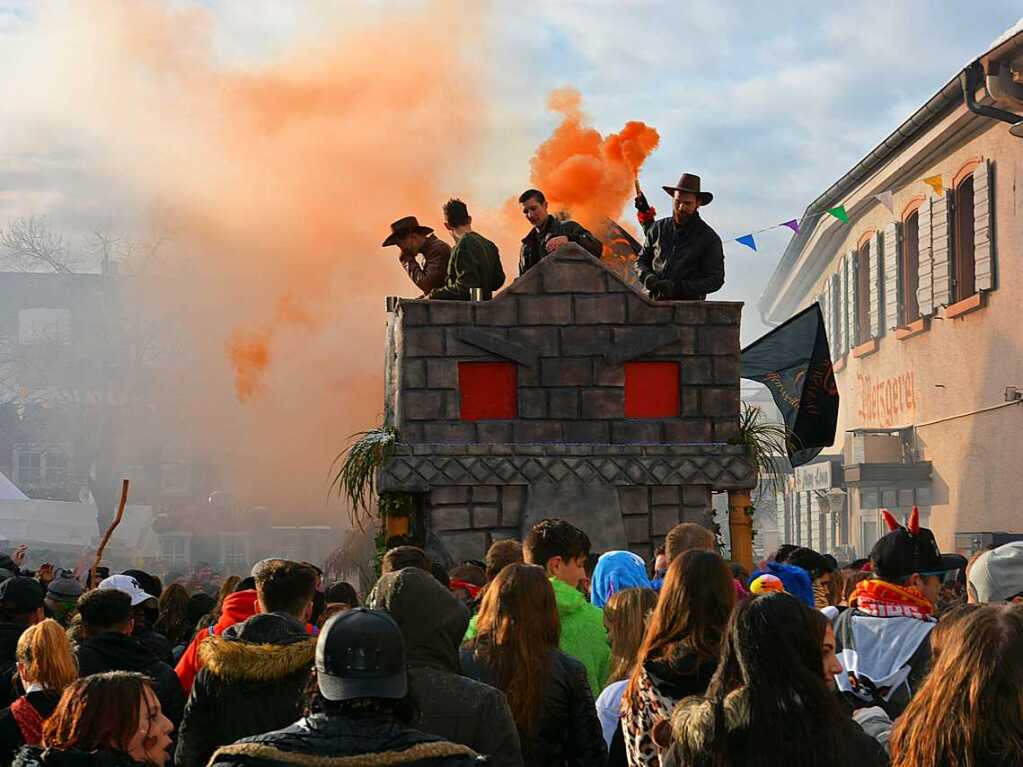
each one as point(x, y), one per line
point(253, 681)
point(693, 723)
point(10, 633)
point(322, 736)
point(113, 651)
point(11, 736)
point(451, 705)
point(690, 257)
point(155, 642)
point(475, 263)
point(36, 757)
point(568, 732)
point(534, 244)
point(431, 275)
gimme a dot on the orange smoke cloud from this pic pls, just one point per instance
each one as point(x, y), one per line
point(589, 175)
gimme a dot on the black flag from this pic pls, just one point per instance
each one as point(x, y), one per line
point(794, 362)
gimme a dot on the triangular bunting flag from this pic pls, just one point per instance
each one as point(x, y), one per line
point(840, 214)
point(887, 199)
point(934, 182)
point(748, 241)
point(793, 225)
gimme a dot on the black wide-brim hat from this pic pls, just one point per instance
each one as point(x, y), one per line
point(690, 183)
point(403, 227)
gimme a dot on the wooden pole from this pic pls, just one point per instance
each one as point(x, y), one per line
point(740, 527)
point(110, 531)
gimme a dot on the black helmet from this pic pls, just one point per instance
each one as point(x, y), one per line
point(360, 654)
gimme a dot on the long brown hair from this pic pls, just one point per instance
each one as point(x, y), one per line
point(692, 612)
point(173, 620)
point(518, 627)
point(626, 615)
point(45, 651)
point(97, 712)
point(969, 708)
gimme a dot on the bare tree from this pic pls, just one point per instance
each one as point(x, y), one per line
point(30, 245)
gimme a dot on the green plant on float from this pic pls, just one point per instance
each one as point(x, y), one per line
point(355, 479)
point(766, 444)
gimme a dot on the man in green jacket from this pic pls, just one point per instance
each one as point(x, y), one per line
point(561, 549)
point(475, 261)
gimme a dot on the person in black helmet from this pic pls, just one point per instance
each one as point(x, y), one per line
point(363, 706)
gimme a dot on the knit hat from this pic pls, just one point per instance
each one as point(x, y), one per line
point(997, 576)
point(65, 588)
point(796, 580)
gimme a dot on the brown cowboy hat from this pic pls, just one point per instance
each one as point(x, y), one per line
point(690, 183)
point(403, 227)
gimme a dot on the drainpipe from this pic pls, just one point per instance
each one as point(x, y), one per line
point(970, 78)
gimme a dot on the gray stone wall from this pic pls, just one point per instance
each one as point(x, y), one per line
point(570, 324)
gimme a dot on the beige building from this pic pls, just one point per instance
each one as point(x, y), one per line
point(922, 293)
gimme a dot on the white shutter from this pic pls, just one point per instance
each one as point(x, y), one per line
point(925, 287)
point(983, 232)
point(876, 285)
point(941, 251)
point(892, 280)
point(851, 298)
point(840, 310)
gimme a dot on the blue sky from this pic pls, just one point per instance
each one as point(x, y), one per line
point(769, 102)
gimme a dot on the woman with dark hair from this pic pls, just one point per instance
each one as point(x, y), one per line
point(341, 592)
point(200, 608)
point(104, 720)
point(969, 711)
point(680, 649)
point(516, 651)
point(770, 702)
point(173, 619)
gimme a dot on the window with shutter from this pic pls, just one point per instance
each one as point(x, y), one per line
point(925, 260)
point(983, 232)
point(852, 297)
point(842, 313)
point(863, 293)
point(941, 250)
point(892, 284)
point(910, 267)
point(876, 286)
point(962, 255)
point(833, 304)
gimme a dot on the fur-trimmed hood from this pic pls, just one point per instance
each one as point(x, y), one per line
point(263, 649)
point(692, 723)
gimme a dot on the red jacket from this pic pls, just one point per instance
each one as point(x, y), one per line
point(237, 607)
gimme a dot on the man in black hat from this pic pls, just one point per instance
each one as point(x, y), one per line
point(883, 641)
point(363, 707)
point(413, 241)
point(682, 259)
point(21, 606)
point(549, 232)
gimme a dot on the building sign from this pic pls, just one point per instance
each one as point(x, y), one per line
point(813, 476)
point(888, 402)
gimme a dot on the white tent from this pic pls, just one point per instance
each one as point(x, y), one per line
point(9, 491)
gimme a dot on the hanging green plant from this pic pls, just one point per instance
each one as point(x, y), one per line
point(355, 480)
point(765, 444)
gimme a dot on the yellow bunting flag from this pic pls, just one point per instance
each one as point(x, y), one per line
point(934, 182)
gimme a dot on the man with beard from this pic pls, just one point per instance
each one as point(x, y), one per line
point(682, 259)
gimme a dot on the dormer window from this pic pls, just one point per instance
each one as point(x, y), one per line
point(489, 391)
point(652, 389)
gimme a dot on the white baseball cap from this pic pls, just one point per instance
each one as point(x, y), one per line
point(129, 586)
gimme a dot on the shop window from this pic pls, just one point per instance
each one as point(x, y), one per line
point(652, 389)
point(489, 390)
point(963, 266)
point(910, 266)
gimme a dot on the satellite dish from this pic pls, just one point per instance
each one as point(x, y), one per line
point(1017, 129)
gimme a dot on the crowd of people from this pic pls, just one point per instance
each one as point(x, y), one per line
point(542, 654)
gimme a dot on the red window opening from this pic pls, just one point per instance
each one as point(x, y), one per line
point(490, 390)
point(652, 389)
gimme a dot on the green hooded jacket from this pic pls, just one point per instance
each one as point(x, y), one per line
point(583, 635)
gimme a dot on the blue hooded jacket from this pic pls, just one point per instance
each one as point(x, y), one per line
point(616, 571)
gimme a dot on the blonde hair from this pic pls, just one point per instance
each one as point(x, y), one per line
point(626, 615)
point(45, 652)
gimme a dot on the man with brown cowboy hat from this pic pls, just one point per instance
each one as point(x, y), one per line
point(414, 240)
point(682, 259)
